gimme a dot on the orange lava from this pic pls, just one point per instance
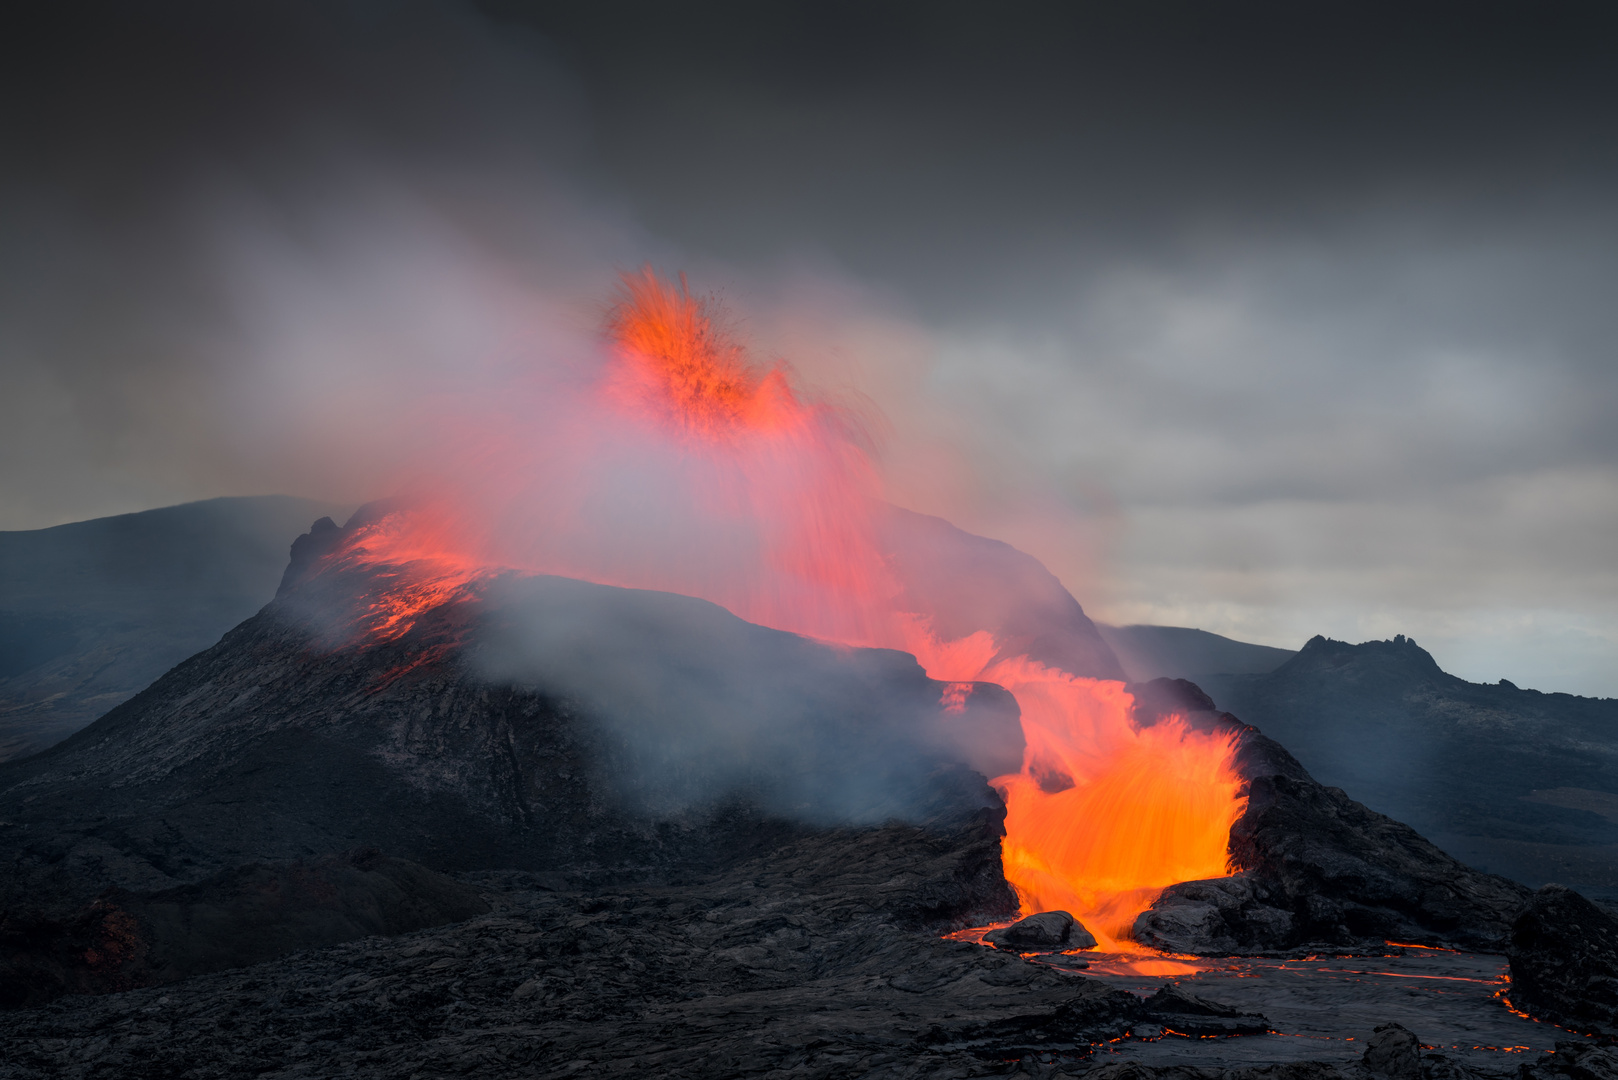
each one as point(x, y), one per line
point(677, 364)
point(1151, 967)
point(1408, 945)
point(1104, 814)
point(686, 467)
point(415, 567)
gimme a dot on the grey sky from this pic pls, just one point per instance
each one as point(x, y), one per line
point(1266, 320)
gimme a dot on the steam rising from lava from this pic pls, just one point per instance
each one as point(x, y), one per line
point(677, 463)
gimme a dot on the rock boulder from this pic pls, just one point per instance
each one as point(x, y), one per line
point(1564, 962)
point(1047, 931)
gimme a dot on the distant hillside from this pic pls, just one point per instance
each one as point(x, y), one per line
point(92, 612)
point(1179, 652)
point(1514, 781)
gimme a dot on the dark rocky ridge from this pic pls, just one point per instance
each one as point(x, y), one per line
point(1519, 782)
point(1316, 867)
point(271, 746)
point(276, 745)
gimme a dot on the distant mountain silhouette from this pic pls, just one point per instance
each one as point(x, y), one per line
point(92, 612)
point(1515, 781)
point(1180, 652)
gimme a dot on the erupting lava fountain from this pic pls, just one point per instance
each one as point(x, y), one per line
point(681, 465)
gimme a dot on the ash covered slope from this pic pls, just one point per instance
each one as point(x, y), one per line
point(969, 583)
point(1520, 782)
point(275, 745)
point(92, 612)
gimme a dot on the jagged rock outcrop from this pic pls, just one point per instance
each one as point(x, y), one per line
point(1218, 917)
point(1382, 721)
point(1316, 866)
point(1393, 1052)
point(1564, 962)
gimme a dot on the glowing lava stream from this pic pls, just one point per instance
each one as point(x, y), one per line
point(1104, 814)
point(687, 469)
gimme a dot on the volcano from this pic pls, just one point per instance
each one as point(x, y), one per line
point(673, 462)
point(649, 824)
point(670, 677)
point(635, 739)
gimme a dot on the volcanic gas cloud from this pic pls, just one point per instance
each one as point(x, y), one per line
point(679, 464)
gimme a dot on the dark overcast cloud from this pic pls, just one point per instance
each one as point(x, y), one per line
point(942, 141)
point(1272, 318)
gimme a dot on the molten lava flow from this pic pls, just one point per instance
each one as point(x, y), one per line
point(682, 466)
point(1104, 814)
point(412, 569)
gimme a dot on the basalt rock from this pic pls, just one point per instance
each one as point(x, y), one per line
point(1564, 962)
point(1574, 1061)
point(1510, 779)
point(1315, 866)
point(799, 962)
point(1349, 873)
point(1218, 917)
point(1393, 1052)
point(1181, 1011)
point(1046, 931)
point(245, 916)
